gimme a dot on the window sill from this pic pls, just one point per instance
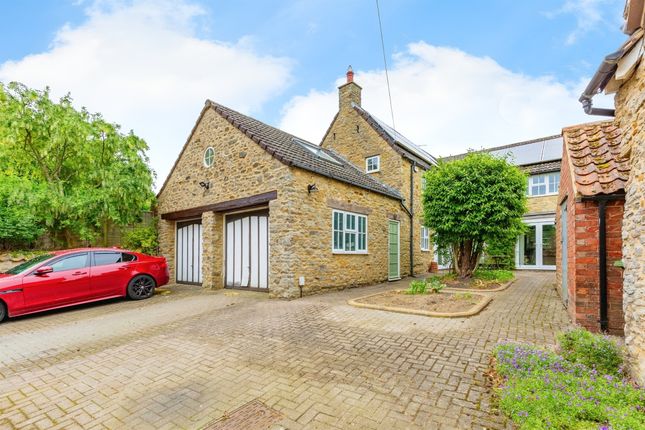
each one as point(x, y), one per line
point(350, 252)
point(425, 250)
point(372, 171)
point(542, 195)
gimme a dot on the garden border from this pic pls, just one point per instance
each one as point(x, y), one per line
point(472, 311)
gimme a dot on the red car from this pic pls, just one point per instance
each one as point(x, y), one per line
point(74, 276)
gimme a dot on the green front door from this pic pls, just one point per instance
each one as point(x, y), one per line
point(394, 271)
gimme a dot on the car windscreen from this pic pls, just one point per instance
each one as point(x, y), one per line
point(28, 264)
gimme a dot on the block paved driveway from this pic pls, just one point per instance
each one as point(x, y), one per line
point(184, 359)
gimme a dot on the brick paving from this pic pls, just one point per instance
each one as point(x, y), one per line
point(188, 358)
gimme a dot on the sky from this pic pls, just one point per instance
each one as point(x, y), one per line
point(463, 75)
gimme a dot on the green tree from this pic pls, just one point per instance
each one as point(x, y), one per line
point(89, 172)
point(472, 201)
point(19, 226)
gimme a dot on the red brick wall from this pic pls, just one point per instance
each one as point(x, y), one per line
point(614, 222)
point(583, 257)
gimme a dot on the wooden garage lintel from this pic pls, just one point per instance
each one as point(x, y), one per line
point(243, 202)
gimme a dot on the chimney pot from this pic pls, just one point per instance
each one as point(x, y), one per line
point(350, 74)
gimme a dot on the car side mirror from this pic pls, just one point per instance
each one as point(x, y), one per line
point(43, 270)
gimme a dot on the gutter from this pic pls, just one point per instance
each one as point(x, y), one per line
point(598, 83)
point(602, 200)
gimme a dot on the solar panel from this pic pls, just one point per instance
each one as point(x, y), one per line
point(533, 152)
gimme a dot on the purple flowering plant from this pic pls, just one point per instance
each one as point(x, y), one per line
point(542, 389)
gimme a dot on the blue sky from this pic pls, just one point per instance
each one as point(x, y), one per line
point(498, 66)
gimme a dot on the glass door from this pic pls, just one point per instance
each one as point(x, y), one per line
point(536, 247)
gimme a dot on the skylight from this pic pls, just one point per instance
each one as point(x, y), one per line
point(316, 150)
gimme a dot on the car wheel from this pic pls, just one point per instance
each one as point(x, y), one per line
point(3, 311)
point(141, 287)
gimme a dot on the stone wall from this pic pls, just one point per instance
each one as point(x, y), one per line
point(355, 139)
point(311, 244)
point(241, 169)
point(300, 223)
point(541, 204)
point(630, 113)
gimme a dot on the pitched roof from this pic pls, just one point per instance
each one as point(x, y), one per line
point(400, 143)
point(536, 155)
point(595, 160)
point(536, 169)
point(297, 152)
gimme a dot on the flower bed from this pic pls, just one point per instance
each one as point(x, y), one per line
point(540, 389)
point(482, 280)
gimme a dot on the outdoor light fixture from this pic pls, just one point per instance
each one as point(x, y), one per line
point(312, 188)
point(205, 185)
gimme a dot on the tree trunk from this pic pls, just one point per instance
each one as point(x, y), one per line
point(466, 255)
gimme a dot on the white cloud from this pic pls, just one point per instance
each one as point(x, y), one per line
point(449, 101)
point(589, 14)
point(141, 64)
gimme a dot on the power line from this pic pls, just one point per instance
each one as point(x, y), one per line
point(387, 76)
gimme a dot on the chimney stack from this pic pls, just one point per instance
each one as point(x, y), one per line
point(349, 93)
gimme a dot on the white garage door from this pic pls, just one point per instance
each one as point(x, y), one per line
point(247, 250)
point(189, 252)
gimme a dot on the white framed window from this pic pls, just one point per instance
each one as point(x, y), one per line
point(209, 156)
point(349, 233)
point(544, 185)
point(424, 183)
point(425, 238)
point(373, 164)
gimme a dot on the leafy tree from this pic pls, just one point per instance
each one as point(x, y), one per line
point(472, 201)
point(19, 226)
point(91, 174)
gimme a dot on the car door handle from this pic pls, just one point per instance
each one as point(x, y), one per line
point(79, 273)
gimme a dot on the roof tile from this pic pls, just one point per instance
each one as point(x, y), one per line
point(595, 158)
point(297, 152)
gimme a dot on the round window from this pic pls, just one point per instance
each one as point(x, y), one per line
point(209, 157)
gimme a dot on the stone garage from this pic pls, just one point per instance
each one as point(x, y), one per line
point(249, 206)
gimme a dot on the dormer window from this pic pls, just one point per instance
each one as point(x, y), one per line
point(373, 164)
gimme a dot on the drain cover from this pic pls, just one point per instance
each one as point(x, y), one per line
point(253, 415)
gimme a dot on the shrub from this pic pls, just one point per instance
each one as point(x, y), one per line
point(142, 239)
point(542, 389)
point(435, 285)
point(593, 350)
point(416, 287)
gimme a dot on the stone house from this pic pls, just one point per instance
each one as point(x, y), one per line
point(623, 73)
point(249, 206)
point(589, 225)
point(541, 160)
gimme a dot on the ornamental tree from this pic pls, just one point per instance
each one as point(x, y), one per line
point(471, 201)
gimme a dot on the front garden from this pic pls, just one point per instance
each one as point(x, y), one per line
point(579, 386)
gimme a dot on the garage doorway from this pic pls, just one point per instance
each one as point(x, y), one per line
point(189, 252)
point(247, 250)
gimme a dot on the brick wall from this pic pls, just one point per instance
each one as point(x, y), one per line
point(583, 257)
